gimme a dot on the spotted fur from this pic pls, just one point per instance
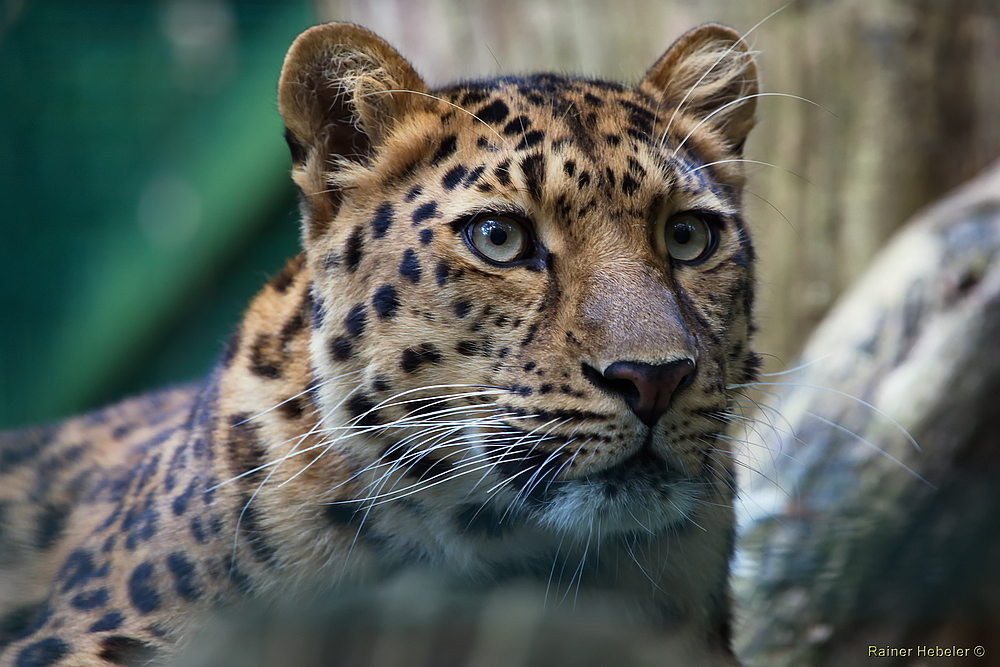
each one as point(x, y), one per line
point(394, 396)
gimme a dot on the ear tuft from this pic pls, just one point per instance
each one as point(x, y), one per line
point(341, 91)
point(709, 73)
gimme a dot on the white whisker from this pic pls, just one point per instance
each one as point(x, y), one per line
point(873, 446)
point(722, 57)
point(439, 99)
point(839, 393)
point(748, 161)
point(740, 100)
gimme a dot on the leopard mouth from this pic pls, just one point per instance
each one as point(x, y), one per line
point(643, 466)
point(641, 495)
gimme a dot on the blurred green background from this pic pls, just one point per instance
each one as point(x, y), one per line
point(144, 194)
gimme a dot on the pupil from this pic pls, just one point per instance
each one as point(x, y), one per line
point(682, 232)
point(498, 236)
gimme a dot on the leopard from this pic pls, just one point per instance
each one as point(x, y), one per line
point(508, 347)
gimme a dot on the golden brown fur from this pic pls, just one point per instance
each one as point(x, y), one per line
point(394, 396)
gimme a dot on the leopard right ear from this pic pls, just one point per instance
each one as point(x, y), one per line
point(341, 91)
point(710, 74)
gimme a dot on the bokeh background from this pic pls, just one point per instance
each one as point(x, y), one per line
point(143, 179)
point(143, 190)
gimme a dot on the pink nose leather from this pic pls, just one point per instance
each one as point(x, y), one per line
point(647, 388)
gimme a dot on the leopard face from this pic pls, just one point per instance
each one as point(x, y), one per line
point(529, 291)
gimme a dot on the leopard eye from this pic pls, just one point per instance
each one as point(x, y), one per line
point(688, 237)
point(498, 238)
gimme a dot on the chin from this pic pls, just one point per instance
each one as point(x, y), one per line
point(610, 505)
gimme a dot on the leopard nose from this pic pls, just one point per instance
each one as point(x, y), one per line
point(646, 388)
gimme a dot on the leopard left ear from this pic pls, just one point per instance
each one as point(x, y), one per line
point(342, 88)
point(709, 73)
point(342, 91)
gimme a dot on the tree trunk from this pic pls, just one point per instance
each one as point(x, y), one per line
point(852, 536)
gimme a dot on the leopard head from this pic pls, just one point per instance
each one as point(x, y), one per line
point(532, 289)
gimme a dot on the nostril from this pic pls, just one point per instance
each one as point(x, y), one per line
point(686, 381)
point(616, 386)
point(647, 389)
